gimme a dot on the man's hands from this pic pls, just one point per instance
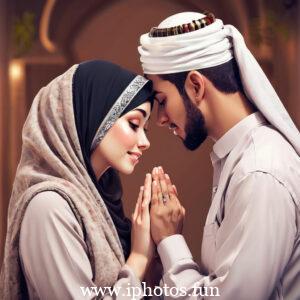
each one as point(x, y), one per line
point(166, 213)
point(166, 217)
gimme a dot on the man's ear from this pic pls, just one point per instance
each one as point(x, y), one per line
point(195, 86)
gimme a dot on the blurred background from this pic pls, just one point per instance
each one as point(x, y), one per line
point(41, 39)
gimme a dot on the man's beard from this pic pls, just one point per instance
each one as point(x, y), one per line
point(195, 129)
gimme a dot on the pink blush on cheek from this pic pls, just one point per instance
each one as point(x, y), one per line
point(124, 135)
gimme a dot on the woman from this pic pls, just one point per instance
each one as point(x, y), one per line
point(66, 225)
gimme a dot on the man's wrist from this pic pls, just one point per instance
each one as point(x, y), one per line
point(157, 241)
point(173, 249)
point(165, 236)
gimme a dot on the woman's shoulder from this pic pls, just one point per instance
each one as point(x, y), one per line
point(47, 202)
point(52, 246)
point(49, 208)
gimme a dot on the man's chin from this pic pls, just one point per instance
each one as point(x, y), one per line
point(194, 144)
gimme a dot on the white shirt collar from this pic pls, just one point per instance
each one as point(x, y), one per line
point(227, 142)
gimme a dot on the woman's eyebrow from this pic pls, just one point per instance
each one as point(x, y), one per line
point(141, 111)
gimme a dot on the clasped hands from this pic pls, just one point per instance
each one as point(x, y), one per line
point(158, 214)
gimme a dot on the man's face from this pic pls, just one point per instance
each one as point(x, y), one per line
point(179, 113)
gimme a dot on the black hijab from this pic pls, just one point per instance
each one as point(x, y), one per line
point(96, 87)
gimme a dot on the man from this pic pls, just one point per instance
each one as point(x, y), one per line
point(208, 84)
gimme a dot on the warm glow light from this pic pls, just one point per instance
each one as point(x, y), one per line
point(15, 70)
point(44, 26)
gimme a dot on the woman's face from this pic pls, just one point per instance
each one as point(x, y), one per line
point(124, 143)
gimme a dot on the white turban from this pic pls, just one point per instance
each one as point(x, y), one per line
point(211, 46)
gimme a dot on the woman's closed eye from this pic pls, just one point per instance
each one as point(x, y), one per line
point(136, 126)
point(133, 125)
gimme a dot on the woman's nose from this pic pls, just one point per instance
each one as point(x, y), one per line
point(143, 143)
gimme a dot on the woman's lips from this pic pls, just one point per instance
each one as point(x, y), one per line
point(134, 156)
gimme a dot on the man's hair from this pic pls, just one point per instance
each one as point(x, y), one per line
point(226, 77)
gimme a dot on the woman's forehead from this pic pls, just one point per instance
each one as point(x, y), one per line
point(144, 109)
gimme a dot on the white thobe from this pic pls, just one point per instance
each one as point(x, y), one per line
point(251, 239)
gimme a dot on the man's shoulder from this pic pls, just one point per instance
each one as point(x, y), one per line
point(269, 152)
point(272, 152)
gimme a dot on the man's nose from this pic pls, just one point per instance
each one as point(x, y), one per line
point(162, 118)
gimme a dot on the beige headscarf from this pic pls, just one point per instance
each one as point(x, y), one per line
point(52, 160)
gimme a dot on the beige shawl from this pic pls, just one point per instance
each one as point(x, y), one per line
point(51, 159)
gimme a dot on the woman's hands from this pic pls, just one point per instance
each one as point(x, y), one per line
point(142, 246)
point(167, 214)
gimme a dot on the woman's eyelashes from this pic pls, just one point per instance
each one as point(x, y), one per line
point(135, 127)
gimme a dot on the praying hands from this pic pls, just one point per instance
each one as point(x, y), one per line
point(158, 214)
point(167, 213)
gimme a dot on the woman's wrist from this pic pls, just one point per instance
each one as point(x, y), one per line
point(138, 263)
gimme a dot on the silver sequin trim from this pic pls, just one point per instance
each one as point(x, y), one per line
point(122, 102)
